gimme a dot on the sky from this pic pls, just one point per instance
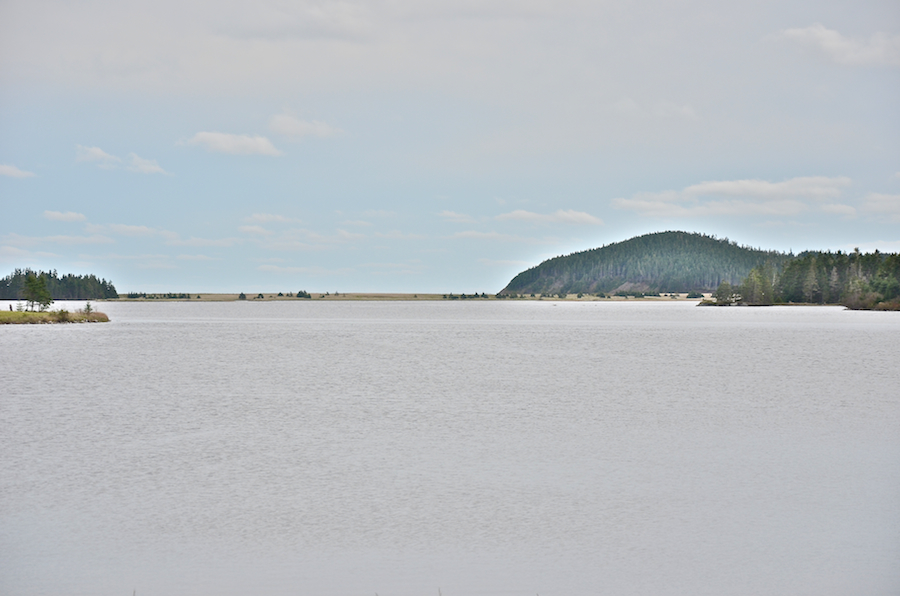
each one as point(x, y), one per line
point(432, 145)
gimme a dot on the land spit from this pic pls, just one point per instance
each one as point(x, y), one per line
point(374, 296)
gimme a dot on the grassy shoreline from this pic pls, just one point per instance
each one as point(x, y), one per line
point(50, 317)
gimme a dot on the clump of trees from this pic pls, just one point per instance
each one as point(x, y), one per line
point(65, 287)
point(856, 280)
point(36, 292)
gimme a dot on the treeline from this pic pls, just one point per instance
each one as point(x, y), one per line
point(659, 262)
point(66, 287)
point(856, 280)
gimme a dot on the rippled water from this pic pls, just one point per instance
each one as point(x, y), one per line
point(480, 448)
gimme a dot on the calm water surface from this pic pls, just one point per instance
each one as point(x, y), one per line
point(491, 448)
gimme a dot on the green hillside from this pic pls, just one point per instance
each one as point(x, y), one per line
point(659, 262)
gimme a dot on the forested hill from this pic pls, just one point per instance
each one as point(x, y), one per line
point(66, 287)
point(659, 262)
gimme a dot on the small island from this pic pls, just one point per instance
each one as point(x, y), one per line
point(25, 317)
point(35, 290)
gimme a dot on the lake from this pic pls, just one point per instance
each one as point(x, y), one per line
point(476, 448)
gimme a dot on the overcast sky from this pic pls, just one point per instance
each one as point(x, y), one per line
point(416, 146)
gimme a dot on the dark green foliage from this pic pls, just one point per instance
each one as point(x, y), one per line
point(303, 294)
point(242, 296)
point(857, 280)
point(66, 287)
point(36, 292)
point(660, 262)
point(260, 297)
point(695, 294)
point(726, 295)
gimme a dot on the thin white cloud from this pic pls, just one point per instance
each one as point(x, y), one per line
point(67, 216)
point(96, 155)
point(356, 222)
point(14, 172)
point(305, 270)
point(398, 235)
point(476, 235)
point(221, 142)
point(144, 166)
point(94, 239)
point(814, 187)
point(838, 209)
point(128, 230)
point(255, 230)
point(661, 109)
point(569, 216)
point(174, 240)
point(289, 126)
point(884, 204)
point(502, 263)
point(879, 49)
point(270, 217)
point(739, 197)
point(195, 258)
point(19, 240)
point(456, 217)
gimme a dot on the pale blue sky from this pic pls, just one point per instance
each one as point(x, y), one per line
point(434, 146)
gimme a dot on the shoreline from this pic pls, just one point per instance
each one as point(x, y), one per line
point(397, 297)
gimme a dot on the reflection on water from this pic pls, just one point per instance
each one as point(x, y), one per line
point(483, 448)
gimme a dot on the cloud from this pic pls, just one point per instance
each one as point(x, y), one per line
point(567, 217)
point(195, 258)
point(662, 109)
point(456, 217)
point(880, 49)
point(173, 240)
point(221, 142)
point(816, 187)
point(14, 172)
point(739, 197)
point(269, 218)
point(501, 263)
point(256, 230)
point(838, 209)
point(306, 270)
point(96, 155)
point(288, 126)
point(476, 235)
point(144, 166)
point(67, 216)
point(888, 205)
point(93, 239)
point(127, 230)
point(398, 235)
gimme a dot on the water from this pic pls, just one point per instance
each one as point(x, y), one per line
point(480, 448)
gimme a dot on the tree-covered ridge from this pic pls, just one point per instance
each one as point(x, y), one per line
point(856, 280)
point(659, 262)
point(66, 287)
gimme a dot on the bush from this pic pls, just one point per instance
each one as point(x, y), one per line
point(242, 296)
point(62, 315)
